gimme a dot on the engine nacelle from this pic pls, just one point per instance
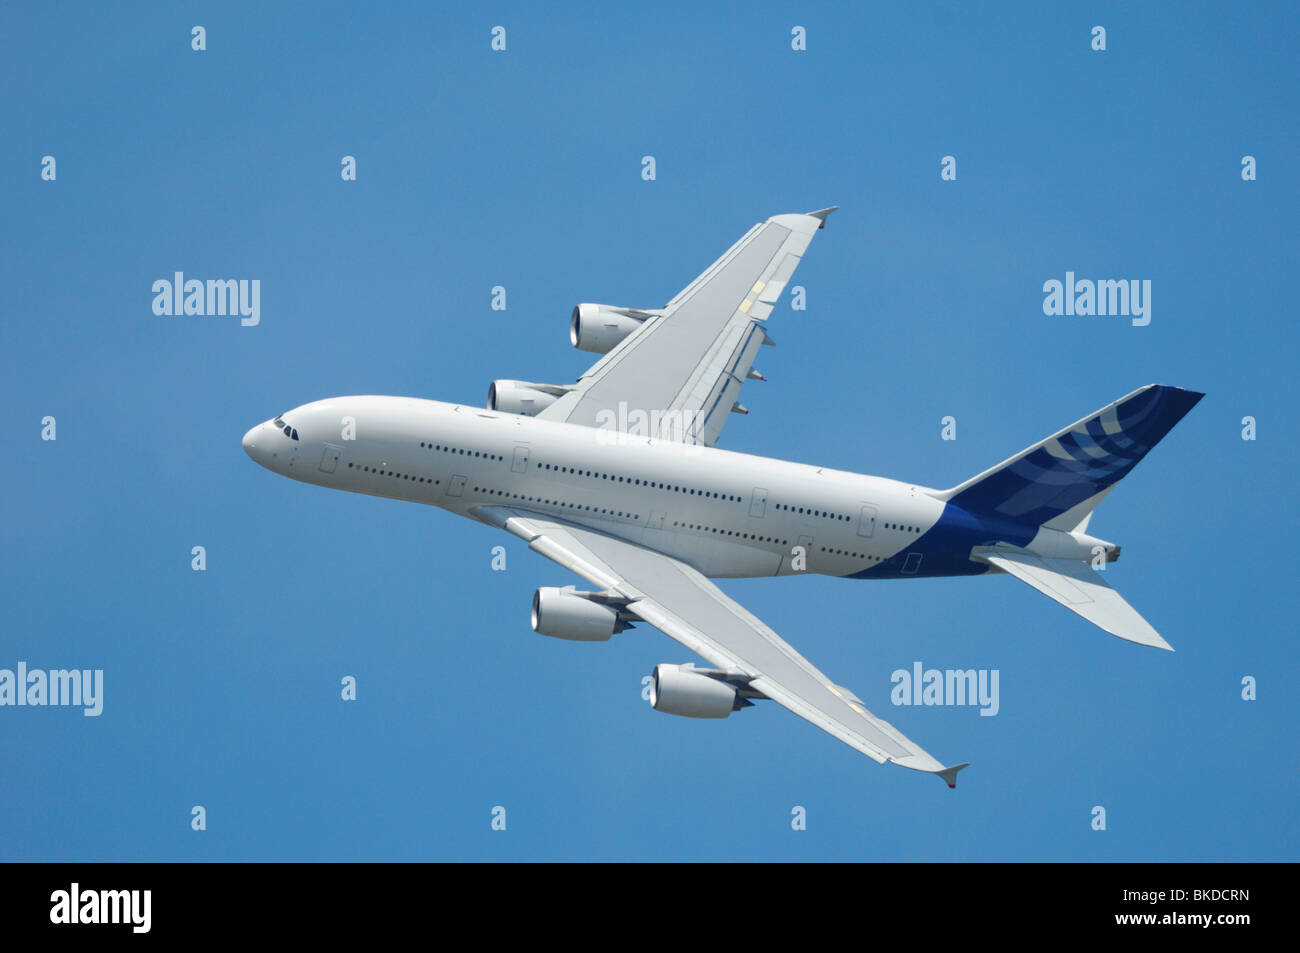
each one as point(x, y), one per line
point(523, 397)
point(598, 328)
point(679, 690)
point(569, 614)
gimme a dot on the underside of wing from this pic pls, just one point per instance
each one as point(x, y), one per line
point(678, 375)
point(682, 603)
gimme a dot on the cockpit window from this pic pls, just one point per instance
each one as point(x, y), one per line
point(290, 432)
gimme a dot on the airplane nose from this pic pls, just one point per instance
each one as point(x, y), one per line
point(250, 443)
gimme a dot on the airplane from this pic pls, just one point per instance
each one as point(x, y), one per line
point(617, 478)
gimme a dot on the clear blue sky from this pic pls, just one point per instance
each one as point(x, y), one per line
point(522, 169)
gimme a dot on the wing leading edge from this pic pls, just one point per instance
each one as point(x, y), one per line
point(684, 604)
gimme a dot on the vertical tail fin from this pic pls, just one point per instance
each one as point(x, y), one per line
point(1060, 480)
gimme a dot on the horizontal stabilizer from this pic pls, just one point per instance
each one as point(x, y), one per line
point(1080, 589)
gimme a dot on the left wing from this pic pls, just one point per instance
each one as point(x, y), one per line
point(682, 603)
point(684, 366)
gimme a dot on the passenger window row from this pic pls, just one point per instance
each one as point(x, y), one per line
point(824, 514)
point(809, 511)
point(559, 504)
point(731, 532)
point(461, 451)
point(844, 552)
point(633, 481)
point(397, 476)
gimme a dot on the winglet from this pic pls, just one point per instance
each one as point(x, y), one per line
point(949, 775)
point(921, 761)
point(821, 213)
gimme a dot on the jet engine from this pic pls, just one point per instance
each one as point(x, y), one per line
point(680, 690)
point(569, 614)
point(523, 397)
point(598, 328)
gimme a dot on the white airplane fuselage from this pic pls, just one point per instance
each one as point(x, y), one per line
point(727, 514)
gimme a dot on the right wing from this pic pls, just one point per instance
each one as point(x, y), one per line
point(684, 366)
point(682, 603)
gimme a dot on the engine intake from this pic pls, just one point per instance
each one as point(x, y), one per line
point(599, 328)
point(680, 690)
point(569, 614)
point(523, 397)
